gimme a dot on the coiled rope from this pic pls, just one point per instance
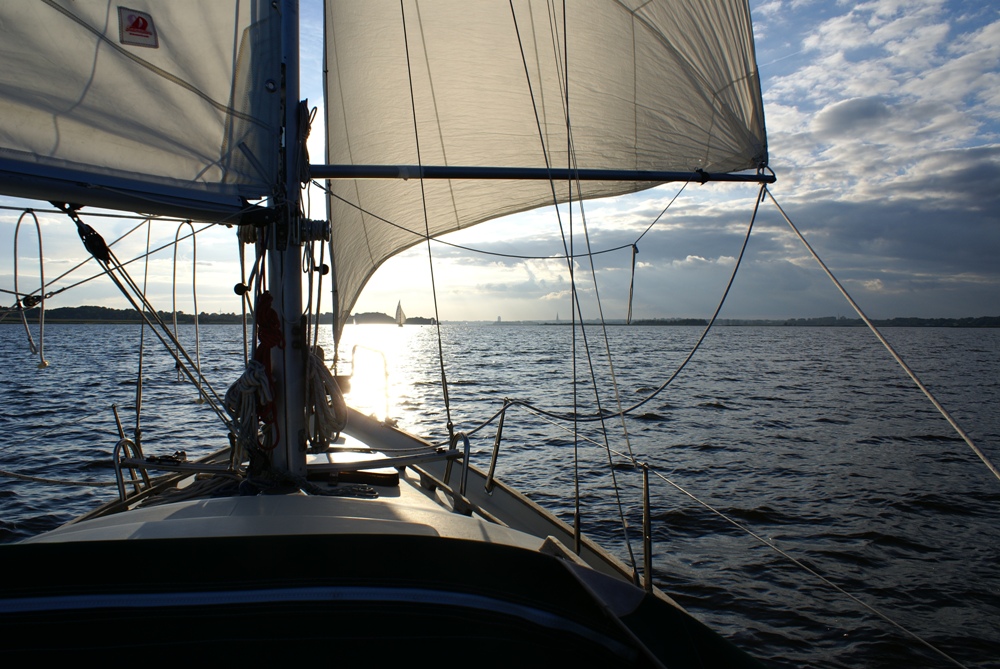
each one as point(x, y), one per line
point(325, 400)
point(250, 400)
point(244, 401)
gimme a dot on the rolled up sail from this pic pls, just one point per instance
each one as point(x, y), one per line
point(662, 85)
point(159, 107)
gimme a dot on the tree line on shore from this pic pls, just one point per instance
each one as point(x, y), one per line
point(89, 314)
point(96, 314)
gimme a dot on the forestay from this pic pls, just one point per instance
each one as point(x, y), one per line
point(152, 106)
point(652, 85)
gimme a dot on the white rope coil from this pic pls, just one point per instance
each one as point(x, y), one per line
point(325, 399)
point(251, 391)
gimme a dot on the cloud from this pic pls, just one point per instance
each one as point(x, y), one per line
point(853, 117)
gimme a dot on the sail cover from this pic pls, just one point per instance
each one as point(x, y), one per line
point(652, 85)
point(162, 107)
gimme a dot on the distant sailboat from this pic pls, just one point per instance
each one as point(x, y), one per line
point(400, 316)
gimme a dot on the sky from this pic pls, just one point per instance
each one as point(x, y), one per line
point(883, 123)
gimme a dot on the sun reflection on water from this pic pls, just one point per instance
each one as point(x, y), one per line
point(377, 357)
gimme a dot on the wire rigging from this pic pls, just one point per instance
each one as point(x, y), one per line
point(568, 249)
point(115, 270)
point(805, 567)
point(471, 249)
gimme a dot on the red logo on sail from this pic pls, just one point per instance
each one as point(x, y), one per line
point(136, 28)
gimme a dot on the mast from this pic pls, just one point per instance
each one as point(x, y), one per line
point(285, 267)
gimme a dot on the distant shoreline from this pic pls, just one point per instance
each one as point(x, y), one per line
point(107, 316)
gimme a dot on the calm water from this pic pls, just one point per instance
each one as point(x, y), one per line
point(811, 438)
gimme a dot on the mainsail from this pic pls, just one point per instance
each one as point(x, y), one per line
point(161, 107)
point(652, 85)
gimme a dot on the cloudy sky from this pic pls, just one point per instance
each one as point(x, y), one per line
point(883, 122)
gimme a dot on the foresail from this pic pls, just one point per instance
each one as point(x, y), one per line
point(653, 85)
point(161, 107)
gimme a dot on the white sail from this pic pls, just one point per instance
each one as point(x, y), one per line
point(152, 106)
point(653, 85)
point(400, 316)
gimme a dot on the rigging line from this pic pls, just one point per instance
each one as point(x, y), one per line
point(437, 114)
point(147, 312)
point(243, 300)
point(146, 219)
point(194, 297)
point(81, 264)
point(258, 277)
point(614, 382)
point(572, 163)
point(808, 569)
point(322, 269)
point(35, 437)
point(148, 307)
point(567, 250)
point(98, 214)
point(899, 360)
point(60, 482)
point(575, 297)
point(133, 260)
point(690, 355)
point(308, 263)
point(554, 33)
point(471, 249)
point(631, 286)
point(137, 432)
point(28, 302)
point(657, 219)
point(430, 255)
point(99, 249)
point(600, 309)
point(718, 309)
